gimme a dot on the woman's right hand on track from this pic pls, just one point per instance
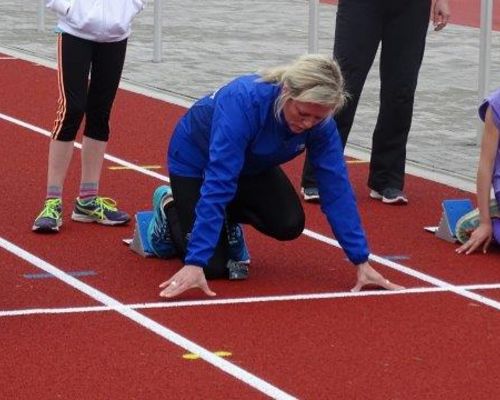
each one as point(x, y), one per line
point(188, 277)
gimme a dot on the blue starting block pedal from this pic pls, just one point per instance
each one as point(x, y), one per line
point(452, 211)
point(139, 242)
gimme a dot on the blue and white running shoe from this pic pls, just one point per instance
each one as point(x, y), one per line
point(158, 235)
point(238, 250)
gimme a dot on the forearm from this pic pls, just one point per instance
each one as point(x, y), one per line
point(483, 187)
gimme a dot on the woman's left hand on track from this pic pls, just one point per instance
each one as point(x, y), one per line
point(480, 237)
point(368, 276)
point(188, 277)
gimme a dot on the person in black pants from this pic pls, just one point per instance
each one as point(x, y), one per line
point(401, 27)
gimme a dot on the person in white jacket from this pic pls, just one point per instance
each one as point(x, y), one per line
point(92, 40)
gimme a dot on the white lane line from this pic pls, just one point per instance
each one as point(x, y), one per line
point(399, 267)
point(168, 334)
point(363, 154)
point(243, 300)
point(355, 151)
point(150, 91)
point(108, 157)
point(411, 272)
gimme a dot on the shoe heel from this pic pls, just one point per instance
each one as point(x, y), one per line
point(238, 271)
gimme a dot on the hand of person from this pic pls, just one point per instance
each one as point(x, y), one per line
point(440, 14)
point(482, 235)
point(368, 276)
point(188, 277)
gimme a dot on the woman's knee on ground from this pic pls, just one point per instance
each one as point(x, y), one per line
point(290, 229)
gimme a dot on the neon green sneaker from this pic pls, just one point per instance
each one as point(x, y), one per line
point(470, 221)
point(102, 210)
point(50, 219)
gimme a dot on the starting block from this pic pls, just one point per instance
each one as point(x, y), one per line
point(139, 242)
point(452, 211)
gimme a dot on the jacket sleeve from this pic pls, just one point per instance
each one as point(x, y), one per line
point(60, 7)
point(144, 4)
point(336, 194)
point(232, 126)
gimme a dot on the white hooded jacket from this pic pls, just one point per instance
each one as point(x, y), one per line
point(97, 20)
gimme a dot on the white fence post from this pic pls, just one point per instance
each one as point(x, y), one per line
point(40, 16)
point(313, 26)
point(157, 41)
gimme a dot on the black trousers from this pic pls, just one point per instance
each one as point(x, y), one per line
point(77, 97)
point(266, 201)
point(401, 27)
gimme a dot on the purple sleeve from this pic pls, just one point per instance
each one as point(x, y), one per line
point(492, 101)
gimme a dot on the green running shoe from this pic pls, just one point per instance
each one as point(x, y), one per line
point(102, 210)
point(50, 219)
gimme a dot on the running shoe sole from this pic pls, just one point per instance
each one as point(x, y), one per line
point(47, 229)
point(88, 218)
point(399, 200)
point(308, 197)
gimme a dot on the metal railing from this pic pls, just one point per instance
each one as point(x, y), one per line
point(313, 29)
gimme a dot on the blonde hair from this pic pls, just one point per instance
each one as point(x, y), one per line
point(312, 78)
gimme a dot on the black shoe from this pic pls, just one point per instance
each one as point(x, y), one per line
point(390, 196)
point(310, 194)
point(238, 270)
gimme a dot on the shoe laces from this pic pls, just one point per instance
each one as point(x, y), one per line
point(161, 230)
point(51, 209)
point(103, 204)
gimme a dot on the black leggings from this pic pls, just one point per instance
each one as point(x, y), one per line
point(266, 201)
point(401, 27)
point(76, 58)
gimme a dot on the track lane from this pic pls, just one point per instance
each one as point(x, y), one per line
point(302, 262)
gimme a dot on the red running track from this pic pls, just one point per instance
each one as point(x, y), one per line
point(108, 335)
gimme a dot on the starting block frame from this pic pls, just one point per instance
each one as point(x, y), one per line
point(453, 210)
point(139, 243)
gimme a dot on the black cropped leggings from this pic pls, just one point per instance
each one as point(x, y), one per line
point(76, 60)
point(266, 201)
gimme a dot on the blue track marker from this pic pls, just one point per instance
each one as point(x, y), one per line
point(45, 275)
point(396, 257)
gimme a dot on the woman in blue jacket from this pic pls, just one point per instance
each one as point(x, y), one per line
point(224, 159)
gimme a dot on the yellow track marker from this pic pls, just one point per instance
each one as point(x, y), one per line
point(120, 167)
point(356, 161)
point(192, 356)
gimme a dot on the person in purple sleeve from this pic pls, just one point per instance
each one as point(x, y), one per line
point(477, 229)
point(224, 163)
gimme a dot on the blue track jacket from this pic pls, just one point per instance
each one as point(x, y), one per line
point(234, 132)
